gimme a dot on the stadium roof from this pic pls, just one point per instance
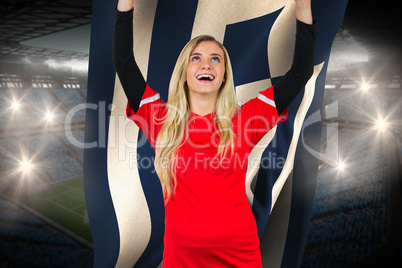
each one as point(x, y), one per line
point(36, 28)
point(26, 19)
point(24, 22)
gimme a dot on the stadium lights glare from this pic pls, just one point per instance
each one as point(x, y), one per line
point(15, 105)
point(78, 65)
point(352, 54)
point(381, 125)
point(26, 167)
point(364, 87)
point(49, 116)
point(74, 64)
point(52, 63)
point(341, 166)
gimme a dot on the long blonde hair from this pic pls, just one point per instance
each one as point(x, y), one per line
point(170, 137)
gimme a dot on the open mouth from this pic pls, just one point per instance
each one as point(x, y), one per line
point(205, 77)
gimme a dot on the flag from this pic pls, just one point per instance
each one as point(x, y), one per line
point(123, 194)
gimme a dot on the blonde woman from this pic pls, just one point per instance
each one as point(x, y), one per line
point(202, 140)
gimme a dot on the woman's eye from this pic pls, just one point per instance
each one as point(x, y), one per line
point(195, 58)
point(216, 59)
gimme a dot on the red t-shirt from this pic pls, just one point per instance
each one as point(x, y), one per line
point(208, 220)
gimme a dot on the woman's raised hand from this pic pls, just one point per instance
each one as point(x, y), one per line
point(125, 5)
point(303, 11)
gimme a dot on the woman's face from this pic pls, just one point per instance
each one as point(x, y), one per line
point(206, 69)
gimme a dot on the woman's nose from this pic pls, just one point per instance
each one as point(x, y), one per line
point(206, 66)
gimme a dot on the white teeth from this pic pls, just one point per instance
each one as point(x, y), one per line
point(208, 76)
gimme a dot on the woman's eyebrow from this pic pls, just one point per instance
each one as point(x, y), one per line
point(216, 54)
point(200, 54)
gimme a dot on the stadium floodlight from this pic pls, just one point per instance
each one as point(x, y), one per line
point(26, 167)
point(381, 124)
point(365, 87)
point(15, 105)
point(341, 166)
point(49, 116)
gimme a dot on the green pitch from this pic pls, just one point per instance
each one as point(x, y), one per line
point(65, 205)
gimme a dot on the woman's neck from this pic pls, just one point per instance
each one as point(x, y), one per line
point(202, 105)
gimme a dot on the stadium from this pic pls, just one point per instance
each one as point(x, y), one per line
point(357, 213)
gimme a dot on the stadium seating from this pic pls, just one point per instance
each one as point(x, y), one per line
point(70, 99)
point(52, 153)
point(78, 136)
point(29, 242)
point(38, 102)
point(348, 221)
